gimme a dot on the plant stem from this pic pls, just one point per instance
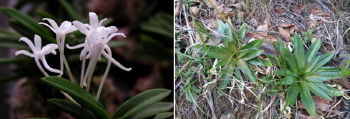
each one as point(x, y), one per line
point(82, 73)
point(63, 57)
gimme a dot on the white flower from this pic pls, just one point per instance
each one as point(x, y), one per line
point(38, 53)
point(65, 28)
point(61, 31)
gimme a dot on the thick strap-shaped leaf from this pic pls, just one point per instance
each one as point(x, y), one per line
point(241, 32)
point(77, 93)
point(226, 62)
point(299, 52)
point(29, 23)
point(71, 108)
point(329, 90)
point(260, 62)
point(289, 57)
point(252, 53)
point(252, 45)
point(316, 78)
point(163, 115)
point(311, 52)
point(334, 71)
point(139, 102)
point(273, 60)
point(277, 46)
point(246, 70)
point(213, 51)
point(288, 72)
point(223, 29)
point(311, 64)
point(157, 108)
point(322, 61)
point(317, 91)
point(226, 76)
point(289, 80)
point(307, 99)
point(293, 92)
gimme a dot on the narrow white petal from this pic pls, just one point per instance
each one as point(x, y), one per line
point(48, 67)
point(93, 20)
point(113, 29)
point(76, 47)
point(30, 43)
point(39, 66)
point(24, 53)
point(109, 57)
point(100, 24)
point(52, 29)
point(71, 29)
point(37, 41)
point(113, 35)
point(49, 48)
point(52, 22)
point(81, 27)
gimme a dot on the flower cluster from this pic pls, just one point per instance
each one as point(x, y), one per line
point(95, 45)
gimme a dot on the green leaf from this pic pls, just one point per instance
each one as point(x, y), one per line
point(213, 51)
point(273, 60)
point(30, 23)
point(289, 80)
point(74, 15)
point(288, 72)
point(226, 76)
point(163, 115)
point(241, 32)
point(334, 71)
point(299, 52)
point(322, 61)
point(71, 108)
point(77, 93)
point(293, 92)
point(252, 45)
point(157, 108)
point(252, 53)
point(316, 78)
point(246, 70)
point(291, 61)
point(139, 102)
point(260, 62)
point(311, 64)
point(311, 52)
point(329, 90)
point(307, 99)
point(317, 91)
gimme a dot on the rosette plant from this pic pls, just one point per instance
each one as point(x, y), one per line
point(303, 73)
point(233, 54)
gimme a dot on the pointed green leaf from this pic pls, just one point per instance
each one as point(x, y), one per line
point(288, 72)
point(329, 90)
point(322, 61)
point(307, 99)
point(164, 115)
point(291, 61)
point(299, 52)
point(311, 52)
point(260, 62)
point(241, 32)
point(333, 71)
point(71, 108)
point(139, 102)
point(213, 51)
point(289, 80)
point(157, 108)
point(273, 60)
point(317, 91)
point(252, 45)
point(293, 92)
point(29, 23)
point(77, 93)
point(311, 64)
point(246, 70)
point(226, 76)
point(252, 53)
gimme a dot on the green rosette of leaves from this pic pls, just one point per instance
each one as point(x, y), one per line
point(304, 72)
point(233, 55)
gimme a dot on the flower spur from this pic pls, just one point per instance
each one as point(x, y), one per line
point(39, 53)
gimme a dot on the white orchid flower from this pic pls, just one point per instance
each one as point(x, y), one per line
point(39, 53)
point(61, 31)
point(95, 45)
